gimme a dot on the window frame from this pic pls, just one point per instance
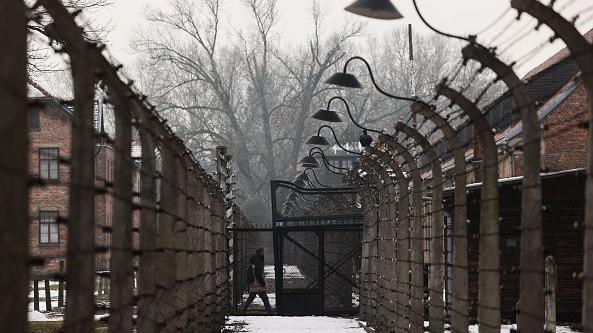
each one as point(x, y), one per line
point(36, 112)
point(40, 159)
point(42, 222)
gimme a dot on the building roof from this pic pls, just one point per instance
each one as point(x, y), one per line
point(36, 93)
point(549, 107)
point(555, 59)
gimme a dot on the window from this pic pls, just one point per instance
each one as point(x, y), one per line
point(48, 163)
point(49, 231)
point(34, 119)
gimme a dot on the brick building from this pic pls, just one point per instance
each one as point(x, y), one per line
point(50, 143)
point(556, 88)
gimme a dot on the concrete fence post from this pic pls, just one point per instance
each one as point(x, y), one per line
point(489, 248)
point(436, 279)
point(80, 282)
point(166, 266)
point(122, 273)
point(416, 248)
point(14, 192)
point(581, 50)
point(148, 235)
point(550, 294)
point(531, 315)
point(181, 242)
point(459, 293)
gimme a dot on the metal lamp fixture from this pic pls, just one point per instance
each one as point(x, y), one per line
point(322, 141)
point(327, 115)
point(378, 9)
point(299, 182)
point(328, 110)
point(365, 138)
point(303, 176)
point(317, 140)
point(344, 79)
point(310, 165)
point(309, 160)
point(347, 80)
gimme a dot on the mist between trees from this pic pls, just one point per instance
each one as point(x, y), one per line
point(254, 93)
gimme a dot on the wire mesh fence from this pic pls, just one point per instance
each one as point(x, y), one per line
point(157, 259)
point(439, 254)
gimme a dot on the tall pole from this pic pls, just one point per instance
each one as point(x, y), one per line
point(412, 86)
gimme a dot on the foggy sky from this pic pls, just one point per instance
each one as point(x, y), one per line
point(455, 16)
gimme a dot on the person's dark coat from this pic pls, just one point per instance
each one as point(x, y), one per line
point(257, 262)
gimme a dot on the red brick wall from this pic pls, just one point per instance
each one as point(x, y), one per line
point(103, 203)
point(54, 132)
point(565, 143)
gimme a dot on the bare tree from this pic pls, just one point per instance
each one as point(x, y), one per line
point(240, 94)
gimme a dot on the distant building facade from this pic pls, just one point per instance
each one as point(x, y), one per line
point(50, 136)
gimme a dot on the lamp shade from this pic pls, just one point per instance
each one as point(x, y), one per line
point(299, 182)
point(310, 165)
point(317, 140)
point(327, 115)
point(309, 160)
point(344, 80)
point(379, 9)
point(303, 176)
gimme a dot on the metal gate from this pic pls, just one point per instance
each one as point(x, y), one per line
point(317, 249)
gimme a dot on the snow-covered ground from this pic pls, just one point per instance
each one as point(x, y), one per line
point(290, 272)
point(274, 324)
point(53, 285)
point(312, 324)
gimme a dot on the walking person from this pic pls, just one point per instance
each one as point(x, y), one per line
point(257, 281)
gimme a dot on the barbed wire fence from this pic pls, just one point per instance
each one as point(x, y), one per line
point(402, 195)
point(169, 262)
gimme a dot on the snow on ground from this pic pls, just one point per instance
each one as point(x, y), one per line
point(53, 285)
point(507, 329)
point(290, 272)
point(275, 324)
point(38, 316)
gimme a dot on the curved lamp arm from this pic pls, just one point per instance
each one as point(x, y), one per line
point(470, 39)
point(323, 157)
point(336, 138)
point(327, 164)
point(348, 108)
point(315, 177)
point(410, 99)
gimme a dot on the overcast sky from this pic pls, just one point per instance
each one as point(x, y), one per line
point(455, 16)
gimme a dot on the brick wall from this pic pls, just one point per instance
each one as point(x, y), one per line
point(54, 132)
point(104, 165)
point(564, 142)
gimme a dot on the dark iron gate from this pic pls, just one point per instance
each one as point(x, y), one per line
point(317, 249)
